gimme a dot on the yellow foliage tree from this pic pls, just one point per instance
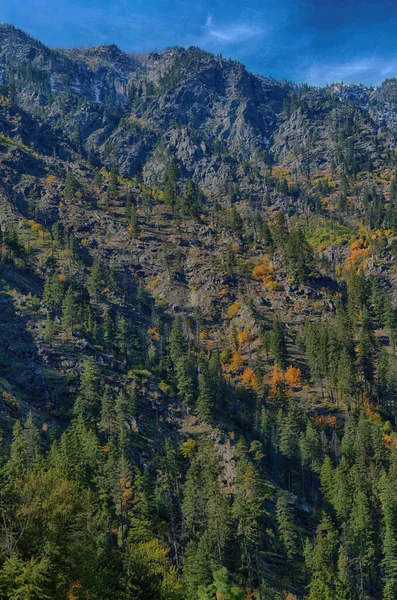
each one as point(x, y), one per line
point(272, 285)
point(244, 336)
point(236, 362)
point(37, 228)
point(73, 593)
point(152, 331)
point(188, 449)
point(233, 309)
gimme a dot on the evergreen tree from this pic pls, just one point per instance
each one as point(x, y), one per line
point(108, 328)
point(69, 310)
point(361, 536)
point(95, 280)
point(389, 506)
point(89, 397)
point(184, 372)
point(11, 240)
point(285, 523)
point(70, 186)
point(248, 511)
point(134, 223)
point(346, 378)
point(121, 335)
point(24, 453)
point(322, 560)
point(221, 588)
point(108, 415)
point(49, 329)
point(278, 345)
point(205, 399)
point(177, 343)
point(367, 350)
point(170, 184)
point(112, 191)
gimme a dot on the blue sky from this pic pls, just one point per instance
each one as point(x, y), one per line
point(318, 41)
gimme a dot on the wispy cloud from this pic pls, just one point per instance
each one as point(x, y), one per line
point(369, 69)
point(231, 33)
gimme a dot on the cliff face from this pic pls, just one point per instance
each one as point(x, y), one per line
point(136, 101)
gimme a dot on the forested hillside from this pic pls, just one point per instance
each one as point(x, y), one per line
point(198, 329)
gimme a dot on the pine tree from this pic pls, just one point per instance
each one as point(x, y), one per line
point(122, 417)
point(54, 292)
point(204, 402)
point(327, 477)
point(134, 223)
point(108, 328)
point(108, 415)
point(184, 372)
point(70, 186)
point(356, 294)
point(24, 453)
point(57, 233)
point(49, 329)
point(311, 453)
point(278, 345)
point(177, 343)
point(98, 180)
point(193, 505)
point(69, 310)
point(389, 562)
point(95, 280)
point(367, 346)
point(285, 523)
point(26, 579)
point(220, 588)
point(205, 399)
point(346, 377)
point(121, 335)
point(299, 255)
point(89, 397)
point(322, 560)
point(199, 564)
point(112, 190)
point(382, 376)
point(11, 240)
point(248, 512)
point(170, 184)
point(361, 531)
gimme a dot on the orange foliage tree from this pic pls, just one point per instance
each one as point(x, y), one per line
point(293, 376)
point(236, 362)
point(265, 272)
point(249, 378)
point(244, 336)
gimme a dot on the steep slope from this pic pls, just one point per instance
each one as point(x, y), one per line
point(198, 323)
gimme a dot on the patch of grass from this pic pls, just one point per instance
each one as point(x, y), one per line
point(322, 233)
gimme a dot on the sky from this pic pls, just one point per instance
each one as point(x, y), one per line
point(313, 41)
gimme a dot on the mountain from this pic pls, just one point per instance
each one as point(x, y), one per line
point(198, 291)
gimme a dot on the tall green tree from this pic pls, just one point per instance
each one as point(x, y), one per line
point(278, 345)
